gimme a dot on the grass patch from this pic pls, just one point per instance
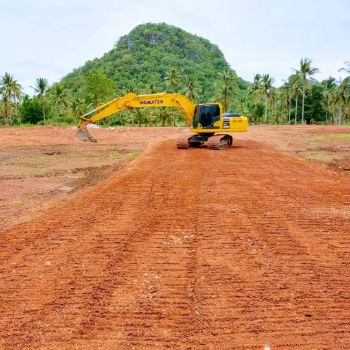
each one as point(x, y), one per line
point(134, 155)
point(322, 157)
point(331, 137)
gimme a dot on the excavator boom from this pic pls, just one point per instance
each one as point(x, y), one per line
point(204, 119)
point(132, 100)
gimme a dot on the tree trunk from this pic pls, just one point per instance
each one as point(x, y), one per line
point(44, 113)
point(138, 114)
point(8, 116)
point(162, 118)
point(296, 110)
point(289, 111)
point(265, 108)
point(302, 105)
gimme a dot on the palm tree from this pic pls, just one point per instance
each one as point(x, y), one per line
point(347, 69)
point(11, 92)
point(295, 82)
point(191, 87)
point(286, 98)
point(329, 85)
point(78, 106)
point(226, 86)
point(343, 99)
point(257, 83)
point(266, 87)
point(40, 88)
point(273, 98)
point(60, 98)
point(305, 71)
point(172, 78)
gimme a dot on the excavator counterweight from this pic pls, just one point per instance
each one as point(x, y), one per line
point(207, 121)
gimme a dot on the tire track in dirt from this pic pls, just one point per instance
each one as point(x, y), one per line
point(191, 249)
point(282, 287)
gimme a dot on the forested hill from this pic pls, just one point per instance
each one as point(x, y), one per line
point(154, 58)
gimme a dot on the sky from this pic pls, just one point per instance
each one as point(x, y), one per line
point(49, 38)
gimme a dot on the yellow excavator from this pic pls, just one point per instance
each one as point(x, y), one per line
point(207, 121)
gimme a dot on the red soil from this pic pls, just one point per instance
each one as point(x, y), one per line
point(185, 249)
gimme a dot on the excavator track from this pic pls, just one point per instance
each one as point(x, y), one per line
point(220, 142)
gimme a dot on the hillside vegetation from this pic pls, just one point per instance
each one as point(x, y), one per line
point(142, 60)
point(160, 57)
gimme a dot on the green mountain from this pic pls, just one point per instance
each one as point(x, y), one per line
point(141, 60)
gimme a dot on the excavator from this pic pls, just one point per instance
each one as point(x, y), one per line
point(207, 121)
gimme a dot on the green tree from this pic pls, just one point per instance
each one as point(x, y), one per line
point(31, 110)
point(266, 88)
point(99, 88)
point(343, 100)
point(226, 86)
point(172, 79)
point(78, 106)
point(314, 108)
point(256, 87)
point(286, 96)
point(305, 72)
point(60, 99)
point(296, 86)
point(329, 86)
point(191, 87)
point(345, 69)
point(40, 88)
point(10, 91)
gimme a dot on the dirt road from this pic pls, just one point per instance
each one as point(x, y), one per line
point(192, 249)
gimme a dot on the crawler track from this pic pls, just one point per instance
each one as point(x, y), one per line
point(219, 142)
point(185, 250)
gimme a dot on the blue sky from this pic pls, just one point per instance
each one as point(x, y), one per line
point(49, 38)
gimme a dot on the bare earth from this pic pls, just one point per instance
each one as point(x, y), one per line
point(175, 249)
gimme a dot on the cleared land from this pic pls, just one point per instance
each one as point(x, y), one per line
point(188, 249)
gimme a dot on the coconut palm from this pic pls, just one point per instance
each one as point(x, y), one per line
point(40, 88)
point(329, 85)
point(343, 99)
point(191, 87)
point(272, 100)
point(286, 98)
point(266, 87)
point(172, 79)
point(305, 72)
point(225, 87)
point(257, 83)
point(10, 91)
point(59, 98)
point(296, 86)
point(345, 69)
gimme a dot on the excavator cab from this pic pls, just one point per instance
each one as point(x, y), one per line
point(205, 116)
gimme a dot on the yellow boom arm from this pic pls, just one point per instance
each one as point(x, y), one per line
point(132, 100)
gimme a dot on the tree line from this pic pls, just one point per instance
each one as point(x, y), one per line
point(301, 99)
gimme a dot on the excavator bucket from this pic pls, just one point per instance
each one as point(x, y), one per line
point(84, 135)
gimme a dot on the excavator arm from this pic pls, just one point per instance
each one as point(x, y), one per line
point(130, 101)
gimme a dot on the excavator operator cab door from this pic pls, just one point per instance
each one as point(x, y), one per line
point(205, 116)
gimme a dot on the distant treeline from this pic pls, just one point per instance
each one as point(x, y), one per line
point(157, 57)
point(301, 99)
